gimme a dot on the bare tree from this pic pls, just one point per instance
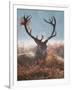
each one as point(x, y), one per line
point(42, 44)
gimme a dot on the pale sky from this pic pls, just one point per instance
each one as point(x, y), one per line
point(39, 27)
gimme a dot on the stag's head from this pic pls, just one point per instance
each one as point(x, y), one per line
point(42, 44)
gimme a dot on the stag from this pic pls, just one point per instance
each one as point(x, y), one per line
point(41, 44)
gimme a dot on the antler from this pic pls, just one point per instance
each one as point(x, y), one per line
point(51, 21)
point(39, 42)
point(24, 23)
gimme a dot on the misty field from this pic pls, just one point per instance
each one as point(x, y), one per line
point(50, 67)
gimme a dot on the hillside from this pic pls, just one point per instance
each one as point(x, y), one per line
point(51, 67)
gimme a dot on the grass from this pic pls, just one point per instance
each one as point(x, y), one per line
point(52, 67)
